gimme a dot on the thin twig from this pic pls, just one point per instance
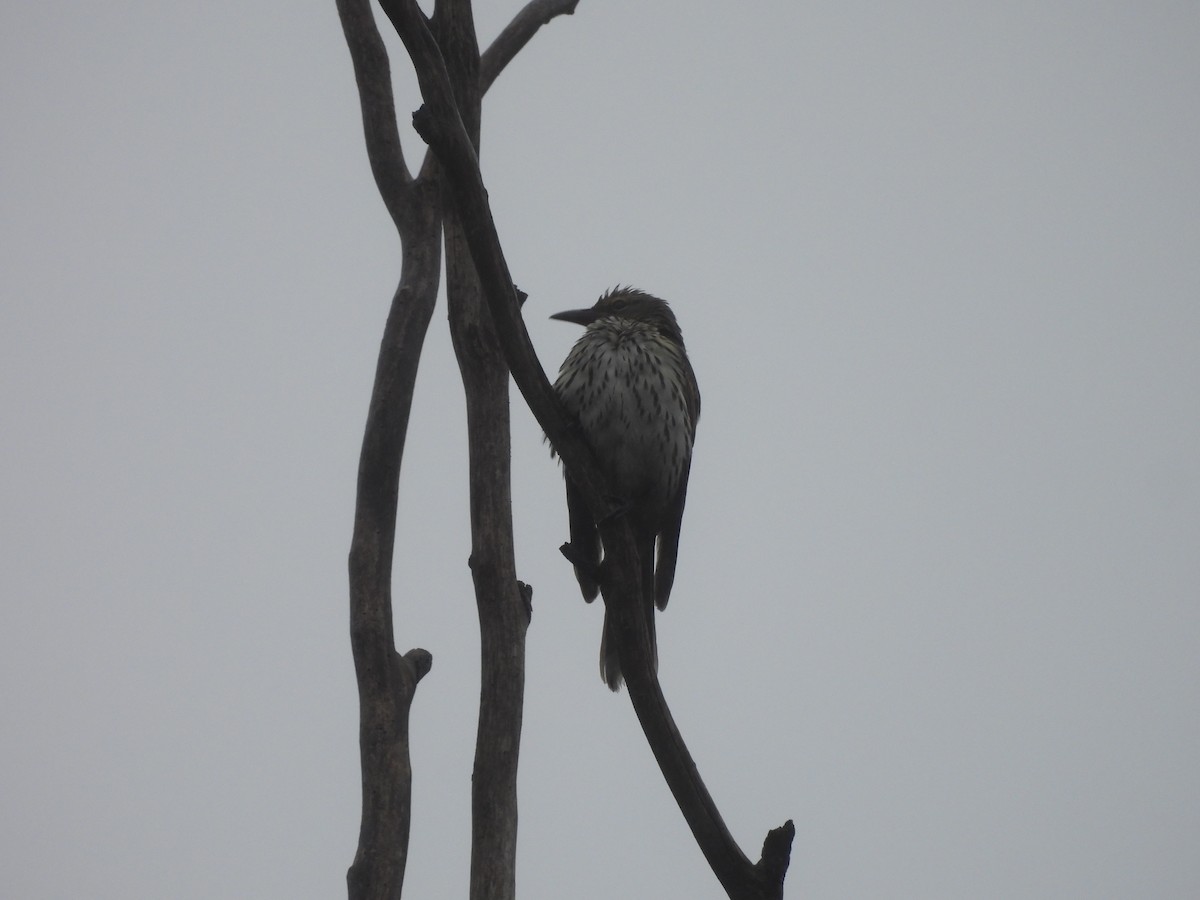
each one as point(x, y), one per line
point(517, 34)
point(372, 74)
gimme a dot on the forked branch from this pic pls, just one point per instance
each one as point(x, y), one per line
point(440, 124)
point(386, 680)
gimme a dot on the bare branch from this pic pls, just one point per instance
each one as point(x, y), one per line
point(445, 132)
point(440, 124)
point(503, 619)
point(386, 680)
point(517, 34)
point(373, 76)
point(741, 879)
point(502, 605)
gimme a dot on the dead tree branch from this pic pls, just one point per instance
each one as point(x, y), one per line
point(440, 123)
point(503, 617)
point(517, 34)
point(386, 680)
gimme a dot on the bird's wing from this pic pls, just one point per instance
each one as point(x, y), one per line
point(668, 546)
point(692, 395)
point(585, 539)
point(668, 538)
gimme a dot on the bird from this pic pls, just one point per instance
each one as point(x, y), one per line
point(629, 384)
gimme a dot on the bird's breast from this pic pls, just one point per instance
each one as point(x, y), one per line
point(626, 387)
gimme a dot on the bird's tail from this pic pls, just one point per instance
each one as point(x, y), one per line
point(610, 660)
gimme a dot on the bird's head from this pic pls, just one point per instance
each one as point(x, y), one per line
point(630, 304)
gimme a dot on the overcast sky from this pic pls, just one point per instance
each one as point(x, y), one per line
point(938, 600)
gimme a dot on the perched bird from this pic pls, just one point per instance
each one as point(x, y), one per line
point(630, 385)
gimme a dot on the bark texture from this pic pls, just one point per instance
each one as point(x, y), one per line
point(490, 340)
point(386, 679)
point(443, 127)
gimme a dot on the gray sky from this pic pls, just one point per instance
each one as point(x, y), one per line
point(938, 601)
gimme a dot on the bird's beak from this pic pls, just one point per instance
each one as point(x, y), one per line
point(578, 316)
